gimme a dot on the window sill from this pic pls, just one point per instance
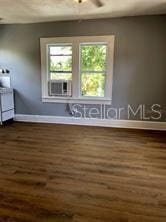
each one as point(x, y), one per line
point(106, 101)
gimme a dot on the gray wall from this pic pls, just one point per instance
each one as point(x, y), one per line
point(139, 67)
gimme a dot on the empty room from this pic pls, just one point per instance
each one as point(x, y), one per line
point(82, 111)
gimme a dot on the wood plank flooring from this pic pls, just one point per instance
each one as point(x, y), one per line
point(62, 173)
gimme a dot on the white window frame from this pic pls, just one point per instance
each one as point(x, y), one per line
point(76, 75)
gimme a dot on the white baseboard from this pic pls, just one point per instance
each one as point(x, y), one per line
point(92, 122)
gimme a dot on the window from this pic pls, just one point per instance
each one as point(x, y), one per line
point(93, 69)
point(60, 62)
point(77, 69)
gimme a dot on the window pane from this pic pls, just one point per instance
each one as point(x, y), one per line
point(93, 85)
point(60, 50)
point(60, 63)
point(93, 57)
point(61, 76)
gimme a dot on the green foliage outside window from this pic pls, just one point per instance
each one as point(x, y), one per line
point(93, 59)
point(93, 85)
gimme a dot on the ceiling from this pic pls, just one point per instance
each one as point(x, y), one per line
point(31, 11)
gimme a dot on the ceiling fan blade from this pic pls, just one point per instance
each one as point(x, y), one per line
point(98, 3)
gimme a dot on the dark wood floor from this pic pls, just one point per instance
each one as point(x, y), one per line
point(57, 173)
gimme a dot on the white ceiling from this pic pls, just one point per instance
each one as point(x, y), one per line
point(30, 11)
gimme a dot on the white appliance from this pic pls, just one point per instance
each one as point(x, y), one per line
point(60, 87)
point(6, 104)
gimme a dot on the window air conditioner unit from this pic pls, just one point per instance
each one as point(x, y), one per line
point(60, 88)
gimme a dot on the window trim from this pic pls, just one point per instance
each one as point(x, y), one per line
point(76, 78)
